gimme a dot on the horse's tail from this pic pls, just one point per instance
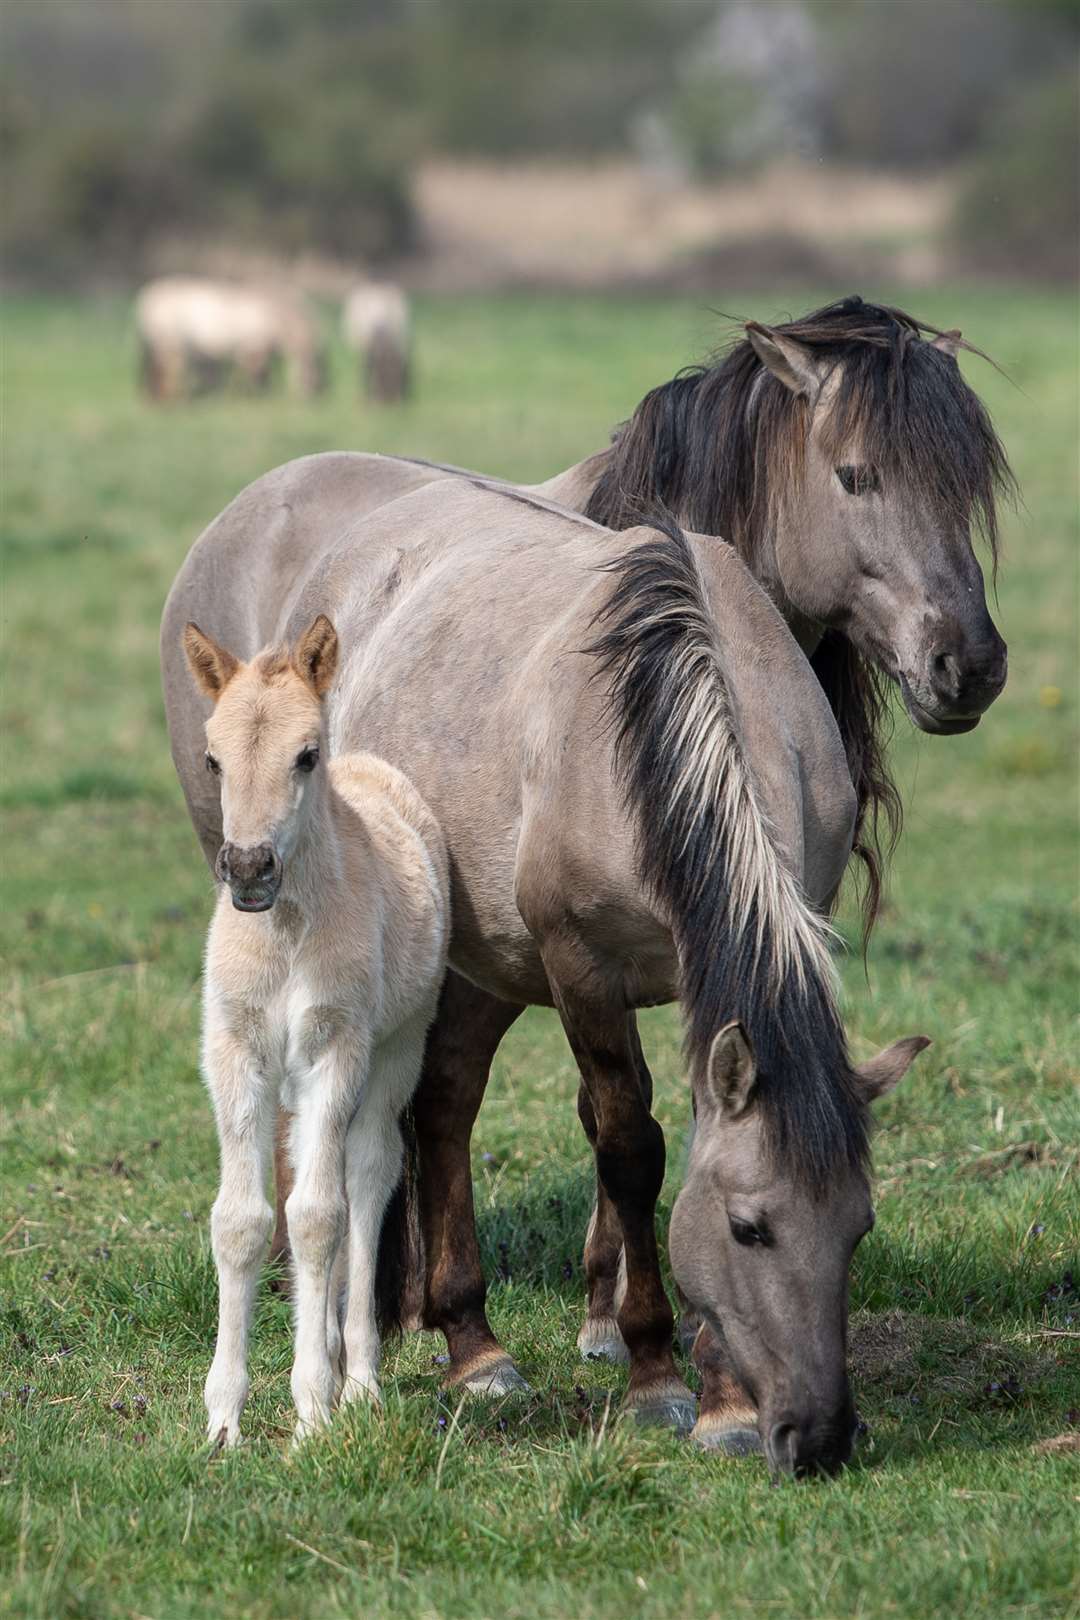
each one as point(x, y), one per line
point(399, 1265)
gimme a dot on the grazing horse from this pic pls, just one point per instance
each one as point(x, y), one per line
point(323, 967)
point(850, 465)
point(644, 795)
point(375, 325)
point(194, 332)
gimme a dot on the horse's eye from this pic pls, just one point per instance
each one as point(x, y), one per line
point(212, 765)
point(859, 480)
point(307, 759)
point(746, 1233)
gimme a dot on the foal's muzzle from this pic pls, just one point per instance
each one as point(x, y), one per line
point(253, 875)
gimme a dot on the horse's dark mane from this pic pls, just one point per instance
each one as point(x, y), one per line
point(749, 945)
point(720, 445)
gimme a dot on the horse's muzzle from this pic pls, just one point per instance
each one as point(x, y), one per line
point(253, 875)
point(955, 687)
point(802, 1449)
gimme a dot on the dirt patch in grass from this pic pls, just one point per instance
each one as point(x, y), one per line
point(933, 1357)
point(1017, 1156)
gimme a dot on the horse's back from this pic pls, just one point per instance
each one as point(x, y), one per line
point(242, 578)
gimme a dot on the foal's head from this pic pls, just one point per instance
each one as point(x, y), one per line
point(264, 742)
point(762, 1245)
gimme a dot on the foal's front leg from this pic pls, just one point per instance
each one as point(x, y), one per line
point(373, 1162)
point(315, 1213)
point(241, 1220)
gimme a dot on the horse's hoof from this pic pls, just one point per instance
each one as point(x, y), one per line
point(666, 1412)
point(732, 1439)
point(600, 1340)
point(498, 1378)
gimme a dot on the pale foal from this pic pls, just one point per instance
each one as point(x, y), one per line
point(323, 967)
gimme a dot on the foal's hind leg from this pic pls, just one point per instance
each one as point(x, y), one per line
point(283, 1185)
point(630, 1167)
point(460, 1046)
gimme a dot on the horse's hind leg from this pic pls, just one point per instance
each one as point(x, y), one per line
point(727, 1420)
point(630, 1167)
point(461, 1044)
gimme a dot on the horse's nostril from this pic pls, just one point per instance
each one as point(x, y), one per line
point(784, 1445)
point(267, 868)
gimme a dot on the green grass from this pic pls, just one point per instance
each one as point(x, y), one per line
point(967, 1332)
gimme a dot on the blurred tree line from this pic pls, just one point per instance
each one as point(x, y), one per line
point(296, 124)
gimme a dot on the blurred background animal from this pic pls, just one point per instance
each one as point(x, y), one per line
point(197, 334)
point(376, 327)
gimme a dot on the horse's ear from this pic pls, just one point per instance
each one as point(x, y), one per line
point(791, 361)
point(880, 1074)
point(949, 343)
point(727, 1086)
point(315, 655)
point(212, 667)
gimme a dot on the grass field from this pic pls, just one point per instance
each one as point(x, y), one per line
point(967, 1328)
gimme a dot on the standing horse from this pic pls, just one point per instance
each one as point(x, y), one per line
point(375, 325)
point(656, 816)
point(323, 967)
point(194, 332)
point(848, 462)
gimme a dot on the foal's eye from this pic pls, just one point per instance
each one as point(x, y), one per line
point(859, 480)
point(307, 759)
point(212, 765)
point(746, 1233)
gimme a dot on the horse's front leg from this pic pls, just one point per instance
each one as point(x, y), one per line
point(630, 1167)
point(457, 1059)
point(315, 1211)
point(728, 1420)
point(240, 1222)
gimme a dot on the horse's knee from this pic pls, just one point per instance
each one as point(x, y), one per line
point(315, 1225)
point(240, 1231)
point(631, 1165)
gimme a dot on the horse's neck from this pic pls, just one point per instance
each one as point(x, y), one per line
point(573, 488)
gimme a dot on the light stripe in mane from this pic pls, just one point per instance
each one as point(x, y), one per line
point(750, 946)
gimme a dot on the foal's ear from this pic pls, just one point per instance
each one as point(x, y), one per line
point(793, 362)
point(880, 1074)
point(949, 343)
point(315, 655)
point(212, 667)
point(727, 1087)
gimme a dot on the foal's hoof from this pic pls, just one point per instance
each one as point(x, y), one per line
point(600, 1340)
point(495, 1378)
point(731, 1439)
point(674, 1411)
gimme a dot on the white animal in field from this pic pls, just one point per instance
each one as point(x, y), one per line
point(377, 327)
point(323, 966)
point(195, 332)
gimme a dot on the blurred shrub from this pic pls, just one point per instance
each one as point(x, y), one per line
point(1020, 209)
point(291, 137)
